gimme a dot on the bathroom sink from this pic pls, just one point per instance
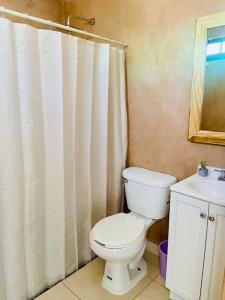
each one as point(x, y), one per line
point(208, 188)
point(204, 188)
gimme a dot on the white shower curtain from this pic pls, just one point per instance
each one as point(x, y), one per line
point(62, 149)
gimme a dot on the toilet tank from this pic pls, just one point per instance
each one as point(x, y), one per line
point(148, 192)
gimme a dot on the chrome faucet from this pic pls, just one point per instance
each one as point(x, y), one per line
point(222, 175)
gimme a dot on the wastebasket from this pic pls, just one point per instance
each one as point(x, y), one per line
point(163, 250)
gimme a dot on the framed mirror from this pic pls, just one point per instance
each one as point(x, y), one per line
point(207, 107)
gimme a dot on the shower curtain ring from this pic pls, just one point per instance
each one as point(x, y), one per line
point(2, 12)
point(50, 25)
point(3, 16)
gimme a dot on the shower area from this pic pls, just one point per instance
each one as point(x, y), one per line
point(63, 143)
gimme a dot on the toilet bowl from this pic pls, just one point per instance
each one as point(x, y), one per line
point(120, 239)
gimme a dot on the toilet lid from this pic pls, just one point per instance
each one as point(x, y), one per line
point(118, 231)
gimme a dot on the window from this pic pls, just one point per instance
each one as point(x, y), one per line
point(215, 49)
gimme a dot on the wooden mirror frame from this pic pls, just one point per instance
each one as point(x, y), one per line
point(197, 93)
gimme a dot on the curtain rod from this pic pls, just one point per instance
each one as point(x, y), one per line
point(57, 25)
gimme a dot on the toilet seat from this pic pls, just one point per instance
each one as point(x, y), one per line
point(118, 231)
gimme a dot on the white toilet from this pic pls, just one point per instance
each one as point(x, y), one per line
point(121, 239)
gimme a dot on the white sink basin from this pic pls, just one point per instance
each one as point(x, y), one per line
point(214, 189)
point(204, 188)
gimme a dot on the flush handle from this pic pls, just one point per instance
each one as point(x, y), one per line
point(202, 215)
point(124, 180)
point(211, 218)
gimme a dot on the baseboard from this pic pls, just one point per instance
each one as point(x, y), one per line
point(151, 247)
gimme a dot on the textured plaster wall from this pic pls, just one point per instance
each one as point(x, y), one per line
point(46, 9)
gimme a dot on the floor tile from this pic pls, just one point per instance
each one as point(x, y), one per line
point(153, 291)
point(58, 292)
point(86, 283)
point(153, 264)
point(160, 280)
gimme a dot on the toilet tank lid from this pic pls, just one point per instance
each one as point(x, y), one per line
point(148, 177)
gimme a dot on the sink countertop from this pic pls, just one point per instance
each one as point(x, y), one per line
point(204, 188)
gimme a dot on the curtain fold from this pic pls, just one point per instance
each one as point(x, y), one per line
point(117, 129)
point(62, 149)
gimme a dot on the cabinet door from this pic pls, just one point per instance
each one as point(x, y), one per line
point(187, 236)
point(214, 267)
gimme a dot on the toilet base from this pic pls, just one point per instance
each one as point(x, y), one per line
point(118, 279)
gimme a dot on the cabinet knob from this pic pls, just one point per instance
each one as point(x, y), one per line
point(211, 218)
point(203, 215)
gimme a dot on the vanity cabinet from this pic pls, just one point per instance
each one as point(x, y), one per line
point(214, 266)
point(196, 253)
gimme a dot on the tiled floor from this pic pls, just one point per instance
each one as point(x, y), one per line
point(86, 284)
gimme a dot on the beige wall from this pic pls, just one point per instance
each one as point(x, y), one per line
point(46, 9)
point(161, 36)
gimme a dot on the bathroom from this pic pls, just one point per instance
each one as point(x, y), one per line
point(148, 72)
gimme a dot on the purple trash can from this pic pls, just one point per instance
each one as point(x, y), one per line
point(163, 249)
